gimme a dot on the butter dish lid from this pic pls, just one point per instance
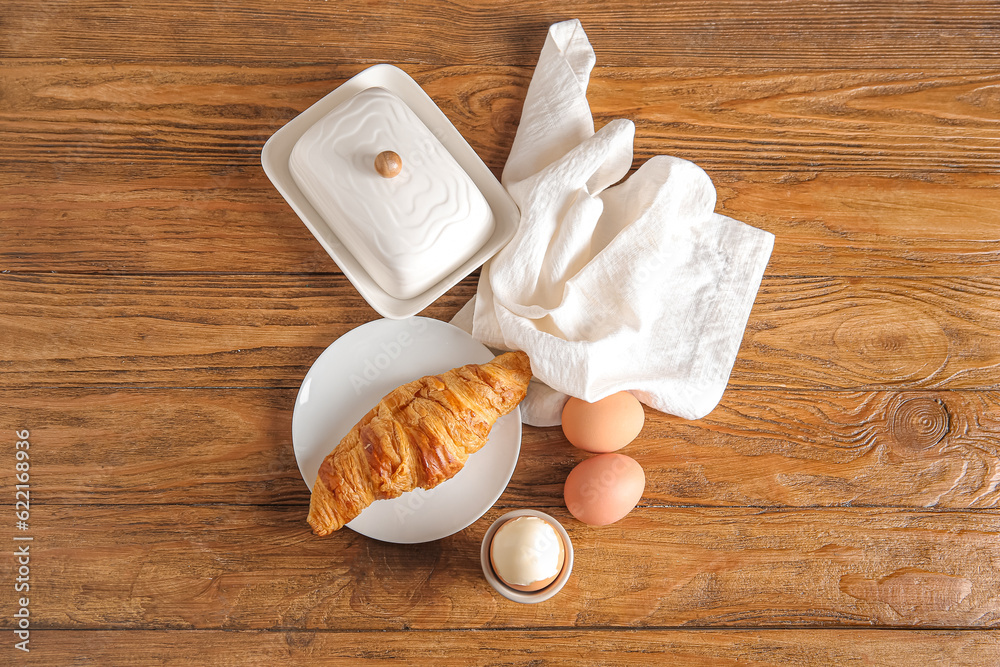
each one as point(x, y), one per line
point(391, 191)
point(402, 240)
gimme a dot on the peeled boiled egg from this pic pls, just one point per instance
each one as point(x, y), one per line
point(527, 553)
point(606, 425)
point(604, 488)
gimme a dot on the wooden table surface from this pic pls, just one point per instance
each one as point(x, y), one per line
point(160, 304)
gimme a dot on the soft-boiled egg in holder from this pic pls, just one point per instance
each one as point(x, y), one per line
point(537, 545)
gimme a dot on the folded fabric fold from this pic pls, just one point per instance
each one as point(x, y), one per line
point(638, 286)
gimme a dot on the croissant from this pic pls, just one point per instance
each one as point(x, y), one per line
point(419, 435)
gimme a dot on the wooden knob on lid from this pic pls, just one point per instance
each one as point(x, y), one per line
point(388, 164)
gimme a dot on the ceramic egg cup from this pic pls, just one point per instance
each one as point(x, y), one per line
point(507, 591)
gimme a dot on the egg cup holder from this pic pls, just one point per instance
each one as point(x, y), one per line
point(507, 591)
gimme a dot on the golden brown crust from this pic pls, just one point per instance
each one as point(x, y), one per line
point(419, 435)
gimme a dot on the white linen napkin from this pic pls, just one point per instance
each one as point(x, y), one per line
point(638, 287)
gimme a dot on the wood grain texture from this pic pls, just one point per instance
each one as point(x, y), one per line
point(140, 168)
point(806, 449)
point(231, 567)
point(160, 304)
point(907, 224)
point(260, 330)
point(147, 119)
point(854, 333)
point(206, 219)
point(856, 33)
point(680, 648)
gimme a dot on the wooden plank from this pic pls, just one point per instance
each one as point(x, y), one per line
point(758, 32)
point(758, 449)
point(96, 328)
point(199, 219)
point(720, 648)
point(260, 330)
point(868, 225)
point(148, 121)
point(230, 567)
point(192, 221)
point(857, 333)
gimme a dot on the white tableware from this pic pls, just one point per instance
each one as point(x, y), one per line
point(398, 281)
point(391, 192)
point(522, 596)
point(352, 375)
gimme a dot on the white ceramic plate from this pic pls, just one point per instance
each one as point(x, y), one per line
point(352, 376)
point(277, 149)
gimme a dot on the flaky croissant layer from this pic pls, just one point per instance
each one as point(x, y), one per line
point(418, 436)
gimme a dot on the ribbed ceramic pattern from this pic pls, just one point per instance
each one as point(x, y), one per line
point(409, 231)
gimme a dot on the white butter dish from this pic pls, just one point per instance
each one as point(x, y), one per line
point(409, 227)
point(402, 236)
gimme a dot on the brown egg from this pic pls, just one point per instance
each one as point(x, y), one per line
point(603, 489)
point(606, 425)
point(513, 551)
